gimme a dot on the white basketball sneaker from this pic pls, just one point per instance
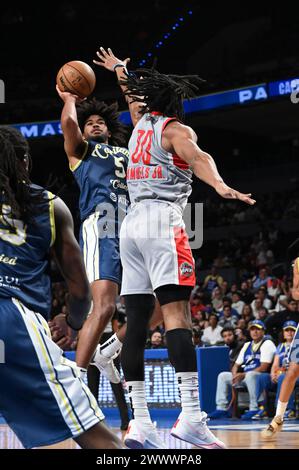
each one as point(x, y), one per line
point(139, 437)
point(106, 366)
point(273, 428)
point(196, 433)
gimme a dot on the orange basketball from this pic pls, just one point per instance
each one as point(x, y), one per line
point(76, 77)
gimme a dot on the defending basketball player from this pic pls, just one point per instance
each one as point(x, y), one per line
point(292, 374)
point(42, 396)
point(163, 153)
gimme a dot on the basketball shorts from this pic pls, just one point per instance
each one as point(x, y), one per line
point(42, 397)
point(99, 243)
point(154, 249)
point(294, 349)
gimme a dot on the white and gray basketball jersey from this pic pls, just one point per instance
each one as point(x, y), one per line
point(154, 173)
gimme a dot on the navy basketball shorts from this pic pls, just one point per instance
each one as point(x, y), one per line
point(42, 397)
point(99, 243)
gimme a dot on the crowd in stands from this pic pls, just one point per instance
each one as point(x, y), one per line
point(275, 206)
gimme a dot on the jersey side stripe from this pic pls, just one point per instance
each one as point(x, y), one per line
point(45, 360)
point(52, 217)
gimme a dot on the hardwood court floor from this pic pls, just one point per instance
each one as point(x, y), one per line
point(236, 435)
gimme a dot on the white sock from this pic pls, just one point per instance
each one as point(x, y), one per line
point(111, 347)
point(188, 387)
point(136, 391)
point(281, 408)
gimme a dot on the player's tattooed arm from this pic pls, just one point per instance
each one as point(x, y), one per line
point(182, 140)
point(110, 62)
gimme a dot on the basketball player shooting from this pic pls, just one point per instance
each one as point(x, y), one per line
point(163, 155)
point(94, 143)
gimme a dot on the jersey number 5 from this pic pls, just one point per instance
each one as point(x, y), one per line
point(143, 147)
point(16, 233)
point(120, 171)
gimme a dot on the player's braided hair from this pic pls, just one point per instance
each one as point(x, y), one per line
point(110, 115)
point(162, 93)
point(15, 190)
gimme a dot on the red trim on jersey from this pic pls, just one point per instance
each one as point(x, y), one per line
point(176, 423)
point(186, 267)
point(167, 122)
point(156, 113)
point(179, 162)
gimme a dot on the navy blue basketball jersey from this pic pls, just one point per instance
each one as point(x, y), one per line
point(24, 252)
point(101, 176)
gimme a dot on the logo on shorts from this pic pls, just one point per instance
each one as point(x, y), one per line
point(186, 269)
point(113, 197)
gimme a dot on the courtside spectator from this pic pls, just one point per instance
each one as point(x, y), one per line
point(201, 320)
point(224, 288)
point(246, 294)
point(274, 289)
point(255, 358)
point(261, 279)
point(217, 299)
point(237, 303)
point(262, 295)
point(212, 280)
point(256, 305)
point(197, 304)
point(227, 318)
point(156, 341)
point(231, 341)
point(212, 334)
point(263, 314)
point(275, 322)
point(247, 314)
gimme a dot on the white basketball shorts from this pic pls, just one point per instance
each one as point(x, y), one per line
point(154, 248)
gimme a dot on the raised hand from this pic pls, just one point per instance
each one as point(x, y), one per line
point(229, 193)
point(108, 59)
point(66, 95)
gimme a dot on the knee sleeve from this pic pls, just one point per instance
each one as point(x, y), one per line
point(139, 309)
point(181, 350)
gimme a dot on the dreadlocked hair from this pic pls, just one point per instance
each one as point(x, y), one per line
point(159, 92)
point(15, 186)
point(110, 115)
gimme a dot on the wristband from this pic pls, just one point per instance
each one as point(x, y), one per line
point(118, 65)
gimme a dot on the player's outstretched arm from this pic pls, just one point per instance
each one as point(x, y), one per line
point(74, 144)
point(67, 253)
point(110, 62)
point(181, 140)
